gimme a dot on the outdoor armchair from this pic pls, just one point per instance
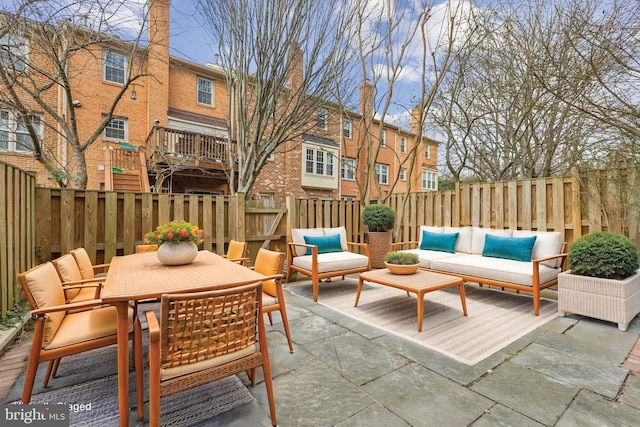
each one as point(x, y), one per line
point(271, 263)
point(87, 269)
point(222, 333)
point(63, 329)
point(237, 252)
point(140, 249)
point(321, 253)
point(76, 288)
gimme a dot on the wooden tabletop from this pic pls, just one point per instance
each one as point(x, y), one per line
point(141, 276)
point(419, 280)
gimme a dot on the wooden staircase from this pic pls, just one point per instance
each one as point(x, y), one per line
point(126, 169)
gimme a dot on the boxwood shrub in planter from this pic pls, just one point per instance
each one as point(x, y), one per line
point(604, 281)
point(379, 220)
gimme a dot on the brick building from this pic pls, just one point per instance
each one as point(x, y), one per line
point(171, 126)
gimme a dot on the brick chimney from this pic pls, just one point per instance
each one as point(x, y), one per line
point(296, 73)
point(366, 99)
point(416, 116)
point(158, 62)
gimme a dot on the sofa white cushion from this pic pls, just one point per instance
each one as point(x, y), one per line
point(297, 236)
point(477, 239)
point(505, 270)
point(425, 256)
point(547, 243)
point(464, 238)
point(332, 261)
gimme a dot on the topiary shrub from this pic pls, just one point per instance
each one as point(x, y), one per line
point(401, 258)
point(604, 254)
point(378, 217)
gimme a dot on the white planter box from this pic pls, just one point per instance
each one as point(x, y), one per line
point(605, 299)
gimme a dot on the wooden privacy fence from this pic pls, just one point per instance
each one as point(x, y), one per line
point(17, 239)
point(40, 224)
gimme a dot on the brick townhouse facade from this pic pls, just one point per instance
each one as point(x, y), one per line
point(176, 116)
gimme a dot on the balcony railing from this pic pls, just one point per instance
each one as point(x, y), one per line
point(189, 149)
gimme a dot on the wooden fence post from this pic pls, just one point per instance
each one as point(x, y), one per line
point(575, 210)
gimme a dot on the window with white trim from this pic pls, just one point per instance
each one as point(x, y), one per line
point(14, 135)
point(346, 128)
point(427, 151)
point(403, 174)
point(14, 53)
point(322, 118)
point(382, 173)
point(383, 138)
point(114, 67)
point(205, 91)
point(116, 130)
point(318, 162)
point(348, 169)
point(429, 180)
point(403, 145)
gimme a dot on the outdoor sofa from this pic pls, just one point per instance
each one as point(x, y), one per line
point(321, 253)
point(523, 260)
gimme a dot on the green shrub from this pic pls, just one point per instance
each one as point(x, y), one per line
point(604, 254)
point(402, 258)
point(378, 217)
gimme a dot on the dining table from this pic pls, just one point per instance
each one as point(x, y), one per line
point(136, 277)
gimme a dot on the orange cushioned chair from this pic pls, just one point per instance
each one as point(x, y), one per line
point(63, 329)
point(271, 263)
point(237, 252)
point(222, 332)
point(87, 269)
point(76, 288)
point(140, 249)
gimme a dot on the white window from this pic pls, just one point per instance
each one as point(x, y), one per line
point(383, 140)
point(403, 145)
point(346, 128)
point(14, 52)
point(318, 162)
point(14, 135)
point(322, 118)
point(116, 130)
point(429, 180)
point(427, 151)
point(403, 174)
point(205, 91)
point(348, 169)
point(114, 67)
point(382, 173)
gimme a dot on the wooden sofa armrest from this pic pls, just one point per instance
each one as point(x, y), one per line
point(352, 246)
point(399, 245)
point(96, 281)
point(564, 256)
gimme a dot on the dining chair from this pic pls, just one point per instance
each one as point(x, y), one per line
point(221, 332)
point(62, 329)
point(237, 252)
point(271, 263)
point(87, 269)
point(146, 248)
point(76, 288)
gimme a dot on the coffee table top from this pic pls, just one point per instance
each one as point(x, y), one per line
point(419, 280)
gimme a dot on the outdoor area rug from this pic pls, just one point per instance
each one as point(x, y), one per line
point(495, 318)
point(90, 379)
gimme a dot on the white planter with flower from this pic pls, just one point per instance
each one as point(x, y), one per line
point(177, 242)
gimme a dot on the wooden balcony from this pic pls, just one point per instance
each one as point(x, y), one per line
point(187, 150)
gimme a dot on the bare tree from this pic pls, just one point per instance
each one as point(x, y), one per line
point(281, 60)
point(501, 122)
point(402, 45)
point(45, 46)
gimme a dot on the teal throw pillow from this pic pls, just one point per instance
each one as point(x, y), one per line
point(515, 248)
point(443, 242)
point(325, 244)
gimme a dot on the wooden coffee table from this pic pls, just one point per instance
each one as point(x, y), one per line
point(419, 283)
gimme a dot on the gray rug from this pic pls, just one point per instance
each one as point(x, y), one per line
point(90, 378)
point(495, 318)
